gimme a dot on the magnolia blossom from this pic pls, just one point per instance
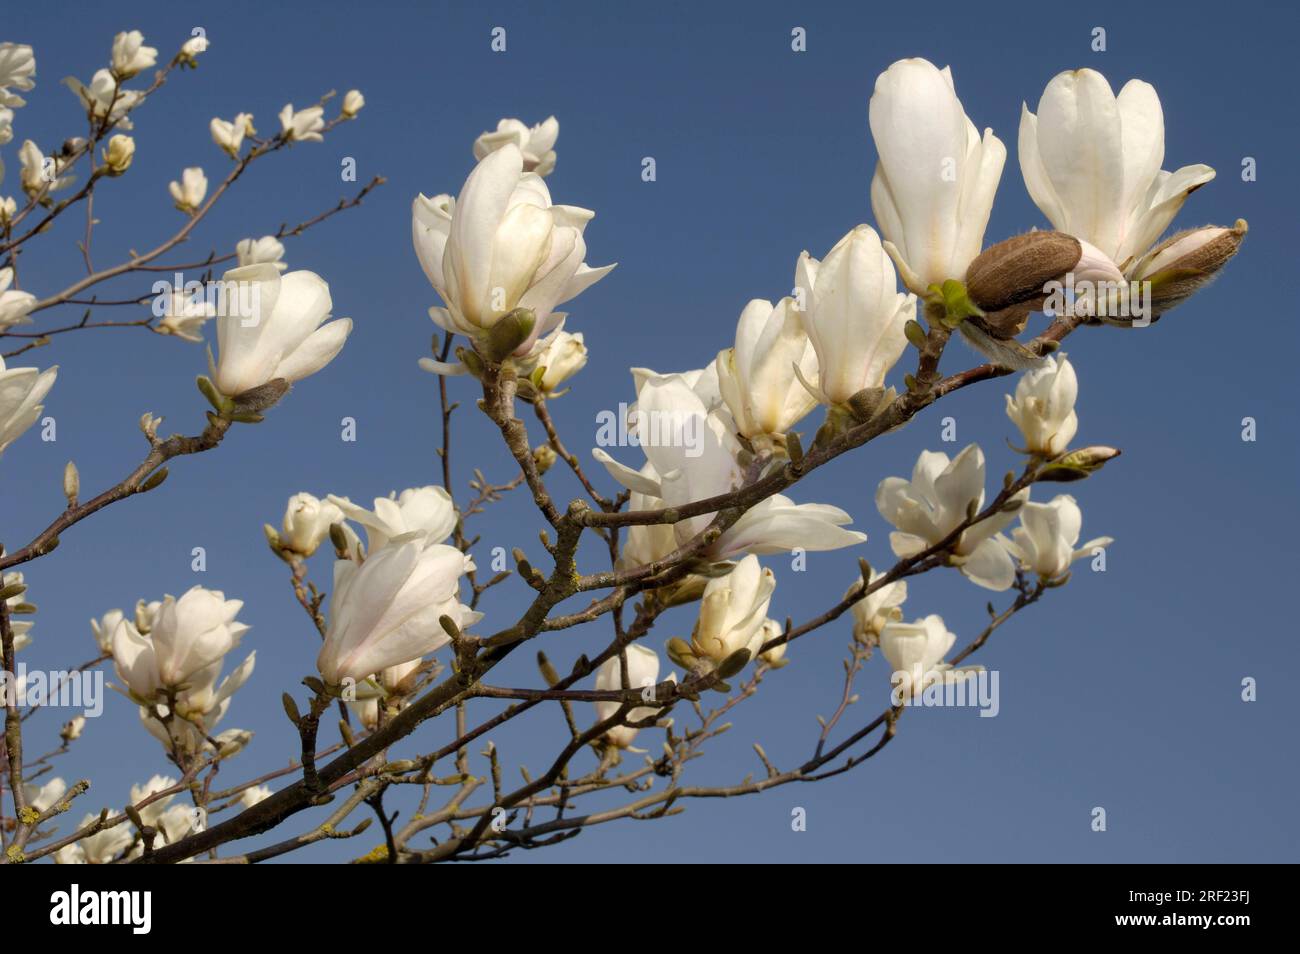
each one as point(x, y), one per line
point(916, 651)
point(192, 47)
point(268, 250)
point(307, 523)
point(8, 207)
point(119, 154)
point(17, 70)
point(1091, 162)
point(188, 732)
point(254, 794)
point(774, 657)
point(146, 614)
point(41, 797)
point(353, 102)
point(188, 194)
point(39, 173)
point(1043, 406)
point(100, 848)
point(230, 135)
point(642, 673)
point(556, 359)
point(853, 314)
point(302, 126)
point(935, 502)
point(150, 813)
point(105, 627)
point(130, 55)
point(692, 455)
point(537, 144)
point(732, 611)
point(104, 98)
point(14, 304)
point(185, 316)
point(876, 610)
point(21, 393)
point(934, 184)
point(1046, 540)
point(425, 510)
point(757, 378)
point(184, 649)
point(387, 610)
point(273, 328)
point(6, 131)
point(502, 245)
point(72, 729)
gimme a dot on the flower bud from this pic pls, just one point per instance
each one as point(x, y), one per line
point(1007, 280)
point(352, 103)
point(71, 483)
point(118, 154)
point(1181, 265)
point(544, 458)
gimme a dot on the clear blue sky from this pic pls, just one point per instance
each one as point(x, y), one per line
point(1120, 691)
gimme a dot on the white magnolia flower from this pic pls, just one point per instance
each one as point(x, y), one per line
point(188, 194)
point(915, 651)
point(692, 451)
point(273, 328)
point(41, 797)
point(642, 673)
point(304, 125)
point(732, 611)
point(21, 393)
point(646, 543)
point(268, 250)
point(192, 47)
point(130, 55)
point(14, 304)
point(230, 135)
point(425, 510)
point(39, 173)
point(757, 379)
point(875, 610)
point(254, 794)
point(185, 647)
point(119, 154)
point(105, 627)
point(1043, 406)
point(353, 102)
point(17, 71)
point(6, 131)
point(935, 182)
point(537, 144)
point(853, 314)
point(1046, 540)
point(72, 729)
point(1091, 162)
point(774, 657)
point(150, 813)
point(146, 614)
point(8, 206)
point(104, 97)
point(185, 315)
point(387, 610)
point(502, 245)
point(307, 523)
point(100, 848)
point(934, 503)
point(559, 357)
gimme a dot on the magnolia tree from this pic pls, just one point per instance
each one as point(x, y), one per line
point(406, 635)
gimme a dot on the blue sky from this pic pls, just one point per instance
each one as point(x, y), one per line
point(1122, 690)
